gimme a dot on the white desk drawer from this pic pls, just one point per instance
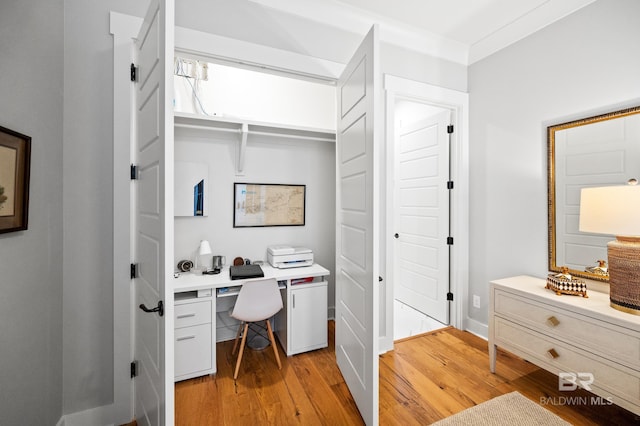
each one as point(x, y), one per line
point(192, 349)
point(619, 343)
point(618, 380)
point(188, 314)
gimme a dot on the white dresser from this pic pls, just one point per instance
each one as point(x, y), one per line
point(568, 334)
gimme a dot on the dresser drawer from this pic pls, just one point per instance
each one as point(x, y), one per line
point(609, 378)
point(194, 313)
point(192, 350)
point(618, 343)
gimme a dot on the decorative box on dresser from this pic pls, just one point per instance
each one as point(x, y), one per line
point(568, 334)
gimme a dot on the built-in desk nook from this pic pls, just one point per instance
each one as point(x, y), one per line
point(203, 302)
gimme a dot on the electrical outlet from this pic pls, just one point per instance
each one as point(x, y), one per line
point(476, 301)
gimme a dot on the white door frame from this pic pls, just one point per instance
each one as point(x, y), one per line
point(458, 102)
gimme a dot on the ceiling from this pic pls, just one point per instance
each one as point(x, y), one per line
point(463, 31)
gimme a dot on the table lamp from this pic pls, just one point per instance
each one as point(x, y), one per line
point(203, 249)
point(615, 210)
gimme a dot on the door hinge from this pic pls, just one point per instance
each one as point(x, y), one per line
point(450, 241)
point(450, 296)
point(134, 369)
point(134, 172)
point(134, 270)
point(449, 127)
point(450, 184)
point(134, 72)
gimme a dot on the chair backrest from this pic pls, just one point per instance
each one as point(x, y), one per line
point(257, 300)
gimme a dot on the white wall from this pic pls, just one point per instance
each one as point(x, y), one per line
point(268, 160)
point(585, 64)
point(31, 77)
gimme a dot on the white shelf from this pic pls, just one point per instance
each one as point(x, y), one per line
point(244, 128)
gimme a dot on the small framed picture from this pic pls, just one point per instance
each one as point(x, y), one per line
point(260, 204)
point(15, 160)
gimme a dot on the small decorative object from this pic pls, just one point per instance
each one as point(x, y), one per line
point(204, 249)
point(238, 261)
point(185, 265)
point(15, 158)
point(564, 283)
point(601, 269)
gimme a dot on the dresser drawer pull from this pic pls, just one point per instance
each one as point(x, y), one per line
point(553, 354)
point(553, 321)
point(186, 338)
point(186, 316)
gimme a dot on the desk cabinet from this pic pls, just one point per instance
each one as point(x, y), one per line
point(568, 334)
point(194, 345)
point(302, 326)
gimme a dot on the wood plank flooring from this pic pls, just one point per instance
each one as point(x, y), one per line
point(425, 379)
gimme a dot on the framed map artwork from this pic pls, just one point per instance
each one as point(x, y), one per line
point(15, 157)
point(258, 204)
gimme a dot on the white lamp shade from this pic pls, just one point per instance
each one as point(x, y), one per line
point(613, 210)
point(204, 248)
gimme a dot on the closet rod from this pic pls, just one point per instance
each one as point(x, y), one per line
point(286, 135)
point(199, 127)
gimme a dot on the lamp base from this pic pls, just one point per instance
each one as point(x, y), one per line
point(624, 274)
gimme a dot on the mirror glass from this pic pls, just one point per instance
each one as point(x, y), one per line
point(595, 151)
point(191, 197)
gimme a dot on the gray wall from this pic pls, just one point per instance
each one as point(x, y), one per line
point(585, 64)
point(31, 45)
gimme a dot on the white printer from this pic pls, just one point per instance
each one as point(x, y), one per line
point(289, 257)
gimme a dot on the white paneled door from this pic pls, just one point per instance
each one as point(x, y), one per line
point(422, 216)
point(357, 225)
point(153, 215)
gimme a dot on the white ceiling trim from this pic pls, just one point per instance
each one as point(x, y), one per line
point(538, 18)
point(358, 21)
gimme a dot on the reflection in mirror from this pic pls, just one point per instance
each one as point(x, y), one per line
point(190, 189)
point(596, 151)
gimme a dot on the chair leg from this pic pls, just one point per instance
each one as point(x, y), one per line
point(235, 344)
point(244, 339)
point(273, 343)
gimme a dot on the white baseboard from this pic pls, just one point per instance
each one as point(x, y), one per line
point(331, 313)
point(476, 327)
point(98, 416)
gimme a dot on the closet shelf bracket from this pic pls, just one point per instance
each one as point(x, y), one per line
point(242, 148)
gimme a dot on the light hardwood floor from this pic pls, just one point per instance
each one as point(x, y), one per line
point(426, 378)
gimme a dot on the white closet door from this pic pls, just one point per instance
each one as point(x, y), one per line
point(357, 225)
point(422, 216)
point(153, 217)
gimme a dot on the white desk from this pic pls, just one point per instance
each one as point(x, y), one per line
point(202, 303)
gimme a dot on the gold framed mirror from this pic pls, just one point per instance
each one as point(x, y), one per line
point(595, 151)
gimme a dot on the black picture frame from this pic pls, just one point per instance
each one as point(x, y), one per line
point(271, 204)
point(15, 168)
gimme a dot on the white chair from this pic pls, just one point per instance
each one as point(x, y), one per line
point(257, 301)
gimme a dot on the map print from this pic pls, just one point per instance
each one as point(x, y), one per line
point(269, 205)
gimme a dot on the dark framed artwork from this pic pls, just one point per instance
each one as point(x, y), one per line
point(15, 162)
point(260, 204)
